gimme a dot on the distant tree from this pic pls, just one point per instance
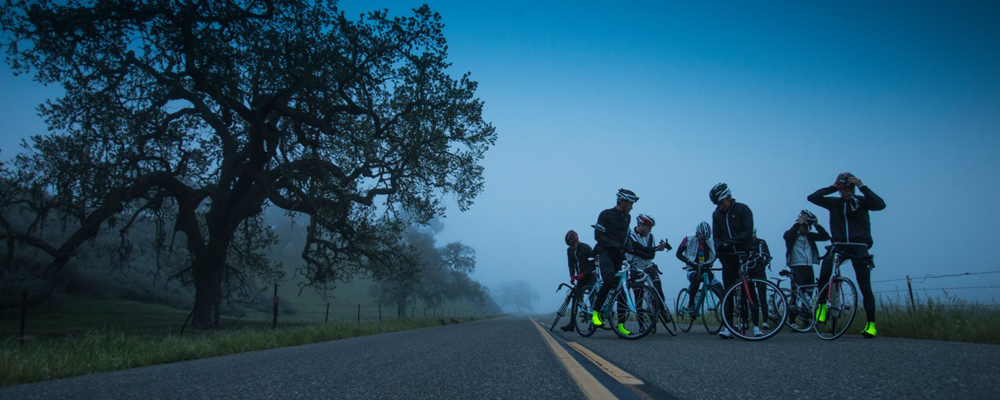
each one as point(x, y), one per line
point(441, 274)
point(517, 294)
point(200, 114)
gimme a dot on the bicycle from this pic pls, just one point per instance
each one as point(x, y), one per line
point(707, 303)
point(562, 309)
point(841, 304)
point(800, 307)
point(634, 304)
point(746, 301)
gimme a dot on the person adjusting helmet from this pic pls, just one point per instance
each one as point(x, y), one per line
point(850, 230)
point(800, 256)
point(808, 217)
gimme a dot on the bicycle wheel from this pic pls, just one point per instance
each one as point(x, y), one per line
point(685, 319)
point(585, 311)
point(665, 316)
point(841, 306)
point(635, 311)
point(775, 302)
point(800, 312)
point(711, 310)
point(562, 310)
point(750, 311)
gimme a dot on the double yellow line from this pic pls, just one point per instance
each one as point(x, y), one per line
point(585, 380)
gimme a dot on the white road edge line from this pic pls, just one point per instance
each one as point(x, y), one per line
point(588, 384)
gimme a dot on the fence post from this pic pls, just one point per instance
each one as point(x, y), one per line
point(274, 323)
point(425, 312)
point(380, 313)
point(24, 314)
point(910, 288)
point(327, 313)
point(413, 312)
point(359, 314)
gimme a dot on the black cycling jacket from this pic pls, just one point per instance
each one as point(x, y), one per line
point(578, 259)
point(735, 225)
point(611, 230)
point(849, 221)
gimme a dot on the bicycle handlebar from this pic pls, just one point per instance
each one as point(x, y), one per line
point(568, 286)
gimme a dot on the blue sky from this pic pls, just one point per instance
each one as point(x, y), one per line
point(669, 98)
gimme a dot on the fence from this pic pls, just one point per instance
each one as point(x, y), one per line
point(910, 281)
point(55, 322)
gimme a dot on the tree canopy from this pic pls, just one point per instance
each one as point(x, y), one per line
point(200, 114)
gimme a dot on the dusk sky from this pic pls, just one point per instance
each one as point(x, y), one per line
point(669, 98)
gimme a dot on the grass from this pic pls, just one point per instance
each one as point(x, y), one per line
point(108, 350)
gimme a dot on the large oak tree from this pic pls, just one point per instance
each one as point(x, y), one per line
point(199, 114)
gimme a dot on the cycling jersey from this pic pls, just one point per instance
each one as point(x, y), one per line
point(692, 254)
point(733, 226)
point(578, 259)
point(640, 250)
point(611, 230)
point(849, 222)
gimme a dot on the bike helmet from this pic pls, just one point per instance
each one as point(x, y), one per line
point(572, 238)
point(627, 195)
point(810, 217)
point(704, 231)
point(718, 193)
point(843, 181)
point(644, 219)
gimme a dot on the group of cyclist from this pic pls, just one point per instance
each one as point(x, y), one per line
point(732, 231)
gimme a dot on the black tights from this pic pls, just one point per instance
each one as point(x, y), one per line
point(860, 261)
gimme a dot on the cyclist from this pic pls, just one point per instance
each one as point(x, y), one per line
point(850, 230)
point(640, 251)
point(732, 229)
point(611, 233)
point(698, 254)
point(800, 249)
point(581, 270)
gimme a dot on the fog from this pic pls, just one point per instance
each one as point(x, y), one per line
point(669, 99)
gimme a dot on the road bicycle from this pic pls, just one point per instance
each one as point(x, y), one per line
point(838, 310)
point(745, 304)
point(800, 302)
point(570, 299)
point(631, 310)
point(707, 304)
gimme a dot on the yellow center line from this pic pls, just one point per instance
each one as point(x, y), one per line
point(621, 376)
point(587, 383)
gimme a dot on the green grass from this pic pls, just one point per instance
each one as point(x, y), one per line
point(108, 350)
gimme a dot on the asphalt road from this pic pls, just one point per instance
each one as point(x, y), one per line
point(507, 358)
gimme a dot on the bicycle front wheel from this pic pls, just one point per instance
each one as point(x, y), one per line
point(834, 315)
point(635, 311)
point(562, 310)
point(585, 312)
point(685, 319)
point(711, 310)
point(749, 316)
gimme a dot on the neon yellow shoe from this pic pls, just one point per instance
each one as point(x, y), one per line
point(869, 331)
point(821, 313)
point(621, 328)
point(597, 319)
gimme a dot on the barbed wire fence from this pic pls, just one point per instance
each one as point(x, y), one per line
point(152, 322)
point(910, 281)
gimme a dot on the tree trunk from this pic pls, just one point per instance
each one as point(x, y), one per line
point(401, 305)
point(208, 272)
